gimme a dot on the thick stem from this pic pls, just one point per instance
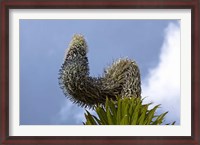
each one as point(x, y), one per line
point(121, 79)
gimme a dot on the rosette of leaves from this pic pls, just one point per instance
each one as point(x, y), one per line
point(125, 111)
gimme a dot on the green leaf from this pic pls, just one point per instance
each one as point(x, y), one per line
point(150, 115)
point(131, 108)
point(113, 110)
point(135, 114)
point(108, 112)
point(97, 120)
point(90, 119)
point(124, 120)
point(125, 109)
point(142, 117)
point(119, 111)
point(87, 120)
point(173, 122)
point(159, 119)
point(102, 115)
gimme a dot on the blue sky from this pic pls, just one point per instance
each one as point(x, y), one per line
point(42, 47)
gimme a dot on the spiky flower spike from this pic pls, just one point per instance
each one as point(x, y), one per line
point(120, 79)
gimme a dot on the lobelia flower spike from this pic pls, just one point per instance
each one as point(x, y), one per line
point(122, 78)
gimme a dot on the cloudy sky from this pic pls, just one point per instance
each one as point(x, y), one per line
point(153, 44)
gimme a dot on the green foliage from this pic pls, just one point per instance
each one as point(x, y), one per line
point(125, 111)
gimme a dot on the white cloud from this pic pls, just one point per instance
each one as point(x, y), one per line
point(162, 85)
point(69, 114)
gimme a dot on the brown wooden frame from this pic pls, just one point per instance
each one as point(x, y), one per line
point(194, 139)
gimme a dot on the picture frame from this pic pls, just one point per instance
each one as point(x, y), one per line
point(7, 5)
